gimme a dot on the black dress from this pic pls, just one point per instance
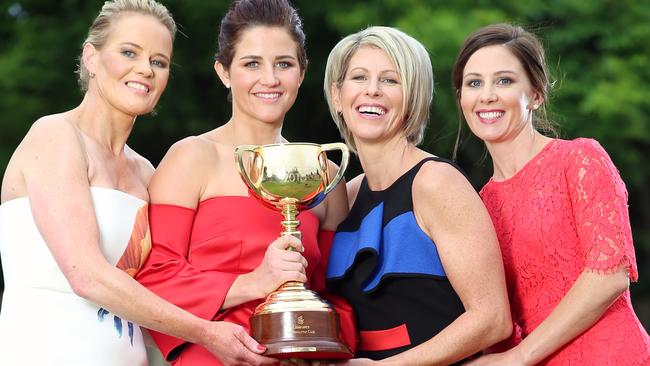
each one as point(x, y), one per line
point(390, 272)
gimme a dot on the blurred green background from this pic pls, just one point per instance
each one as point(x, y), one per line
point(598, 51)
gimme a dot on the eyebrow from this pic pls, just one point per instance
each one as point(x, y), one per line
point(253, 57)
point(500, 72)
point(381, 72)
point(135, 45)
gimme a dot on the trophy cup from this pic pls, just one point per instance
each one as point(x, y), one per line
point(293, 322)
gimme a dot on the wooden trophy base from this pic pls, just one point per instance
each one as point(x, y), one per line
point(298, 324)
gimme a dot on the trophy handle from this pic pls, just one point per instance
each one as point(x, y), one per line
point(239, 157)
point(344, 162)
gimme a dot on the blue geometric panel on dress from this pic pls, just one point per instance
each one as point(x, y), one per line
point(117, 324)
point(401, 247)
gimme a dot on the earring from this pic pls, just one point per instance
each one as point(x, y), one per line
point(535, 106)
point(91, 74)
point(227, 85)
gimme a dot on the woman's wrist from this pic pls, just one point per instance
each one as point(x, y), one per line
point(245, 289)
point(523, 355)
point(202, 334)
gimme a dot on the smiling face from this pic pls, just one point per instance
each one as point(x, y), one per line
point(264, 75)
point(497, 98)
point(132, 69)
point(370, 96)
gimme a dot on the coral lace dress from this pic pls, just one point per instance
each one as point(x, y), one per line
point(42, 321)
point(566, 211)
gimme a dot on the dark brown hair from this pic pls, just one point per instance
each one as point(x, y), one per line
point(525, 46)
point(244, 14)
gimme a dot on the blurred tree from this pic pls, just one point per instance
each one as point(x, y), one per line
point(598, 52)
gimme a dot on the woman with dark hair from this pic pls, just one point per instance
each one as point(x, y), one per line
point(216, 250)
point(73, 219)
point(560, 211)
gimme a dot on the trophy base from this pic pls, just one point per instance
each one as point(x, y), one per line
point(308, 349)
point(295, 323)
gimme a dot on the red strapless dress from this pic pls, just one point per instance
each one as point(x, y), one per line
point(198, 254)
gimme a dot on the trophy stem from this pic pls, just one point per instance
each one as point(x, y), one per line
point(292, 286)
point(290, 223)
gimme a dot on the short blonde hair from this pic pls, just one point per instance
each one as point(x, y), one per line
point(413, 66)
point(111, 10)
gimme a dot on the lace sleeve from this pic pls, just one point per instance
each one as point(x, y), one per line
point(599, 199)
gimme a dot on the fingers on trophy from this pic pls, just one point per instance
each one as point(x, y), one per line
point(293, 322)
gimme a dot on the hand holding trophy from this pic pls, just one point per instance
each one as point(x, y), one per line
point(293, 322)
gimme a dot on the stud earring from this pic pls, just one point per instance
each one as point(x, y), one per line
point(535, 106)
point(92, 75)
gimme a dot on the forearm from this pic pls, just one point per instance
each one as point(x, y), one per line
point(581, 307)
point(242, 290)
point(117, 292)
point(470, 333)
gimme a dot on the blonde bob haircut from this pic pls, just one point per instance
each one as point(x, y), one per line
point(413, 65)
point(111, 10)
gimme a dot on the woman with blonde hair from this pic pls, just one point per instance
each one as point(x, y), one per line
point(74, 213)
point(417, 257)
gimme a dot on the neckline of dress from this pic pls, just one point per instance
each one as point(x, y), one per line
point(526, 166)
point(401, 177)
point(229, 196)
point(92, 188)
point(247, 198)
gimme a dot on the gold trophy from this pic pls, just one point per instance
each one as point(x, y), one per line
point(293, 322)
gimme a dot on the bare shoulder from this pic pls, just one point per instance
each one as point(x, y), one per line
point(192, 147)
point(51, 131)
point(353, 188)
point(193, 153)
point(444, 201)
point(439, 179)
point(182, 175)
point(49, 141)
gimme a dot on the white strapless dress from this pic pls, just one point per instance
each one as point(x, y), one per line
point(42, 322)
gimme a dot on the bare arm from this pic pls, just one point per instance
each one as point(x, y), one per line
point(352, 188)
point(452, 214)
point(56, 180)
point(581, 307)
point(335, 205)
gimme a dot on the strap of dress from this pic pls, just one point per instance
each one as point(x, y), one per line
point(407, 178)
point(416, 168)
